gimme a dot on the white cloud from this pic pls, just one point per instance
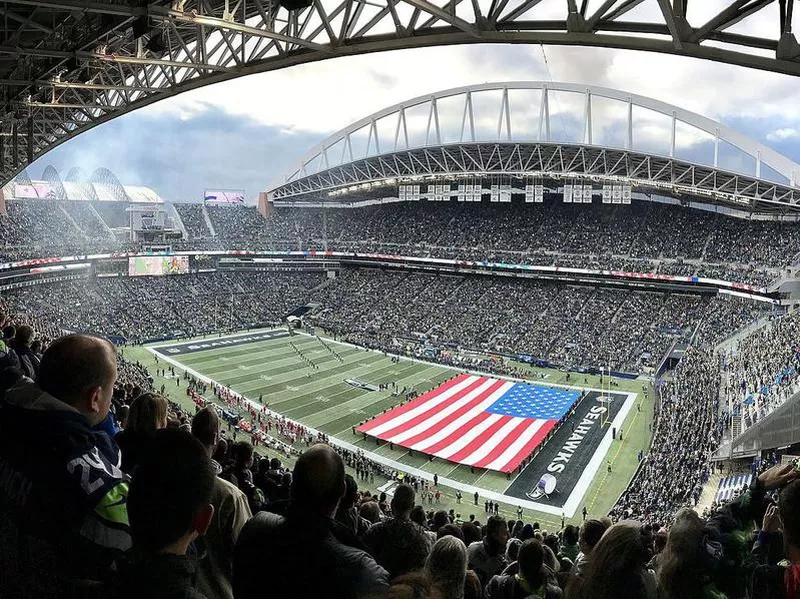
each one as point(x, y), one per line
point(325, 96)
point(783, 134)
point(329, 95)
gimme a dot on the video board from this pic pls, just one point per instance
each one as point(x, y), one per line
point(140, 266)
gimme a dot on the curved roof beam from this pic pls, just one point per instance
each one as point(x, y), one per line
point(108, 180)
point(54, 179)
point(760, 153)
point(525, 164)
point(76, 63)
point(75, 175)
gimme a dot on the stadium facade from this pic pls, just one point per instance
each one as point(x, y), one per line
point(101, 185)
point(499, 140)
point(79, 64)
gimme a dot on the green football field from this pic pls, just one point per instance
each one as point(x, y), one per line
point(320, 398)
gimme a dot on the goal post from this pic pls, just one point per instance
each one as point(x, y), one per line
point(605, 395)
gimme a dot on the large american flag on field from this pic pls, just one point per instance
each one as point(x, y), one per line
point(476, 420)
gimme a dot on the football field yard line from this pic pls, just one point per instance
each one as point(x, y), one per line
point(454, 484)
point(613, 461)
point(332, 385)
point(291, 375)
point(272, 361)
point(476, 372)
point(284, 362)
point(309, 390)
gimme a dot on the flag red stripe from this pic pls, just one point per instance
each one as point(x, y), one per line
point(523, 453)
point(432, 415)
point(478, 442)
point(445, 443)
point(427, 414)
point(450, 417)
point(394, 413)
point(504, 444)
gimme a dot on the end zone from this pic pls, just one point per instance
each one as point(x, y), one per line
point(191, 347)
point(573, 455)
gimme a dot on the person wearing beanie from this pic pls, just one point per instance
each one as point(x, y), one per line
point(527, 533)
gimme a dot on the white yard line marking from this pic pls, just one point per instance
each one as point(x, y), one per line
point(569, 508)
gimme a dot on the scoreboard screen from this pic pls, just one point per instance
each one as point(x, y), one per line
point(158, 265)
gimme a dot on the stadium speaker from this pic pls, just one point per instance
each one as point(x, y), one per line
point(140, 27)
point(156, 44)
point(295, 4)
point(72, 65)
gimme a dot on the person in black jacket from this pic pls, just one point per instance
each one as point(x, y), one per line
point(28, 360)
point(8, 357)
point(533, 579)
point(169, 506)
point(399, 544)
point(306, 554)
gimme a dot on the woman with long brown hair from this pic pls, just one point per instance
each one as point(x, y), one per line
point(147, 414)
point(617, 567)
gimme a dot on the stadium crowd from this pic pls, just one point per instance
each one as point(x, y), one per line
point(572, 326)
point(391, 311)
point(109, 490)
point(194, 220)
point(762, 371)
point(627, 238)
point(165, 505)
point(175, 507)
point(687, 431)
point(134, 309)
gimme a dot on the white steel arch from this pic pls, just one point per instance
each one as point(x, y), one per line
point(69, 65)
point(322, 156)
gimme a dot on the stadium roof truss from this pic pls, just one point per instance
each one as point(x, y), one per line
point(547, 130)
point(67, 65)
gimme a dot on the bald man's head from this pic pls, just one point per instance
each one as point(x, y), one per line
point(80, 370)
point(318, 480)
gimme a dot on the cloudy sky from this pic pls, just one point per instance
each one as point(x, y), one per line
point(245, 132)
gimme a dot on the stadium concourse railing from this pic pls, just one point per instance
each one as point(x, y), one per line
point(85, 263)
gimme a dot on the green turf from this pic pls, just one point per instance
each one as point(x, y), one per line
point(321, 399)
